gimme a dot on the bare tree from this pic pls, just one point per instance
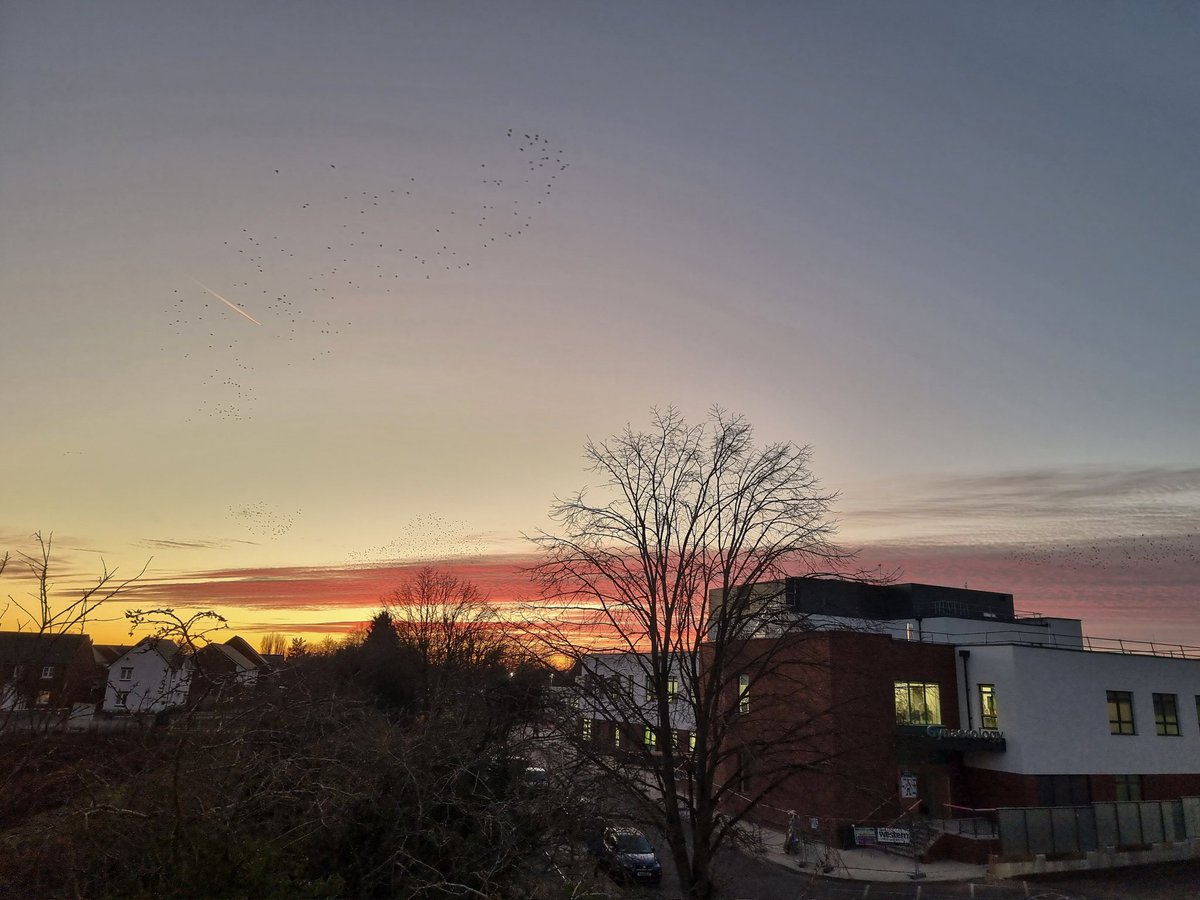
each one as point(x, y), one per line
point(274, 643)
point(676, 563)
point(43, 616)
point(448, 624)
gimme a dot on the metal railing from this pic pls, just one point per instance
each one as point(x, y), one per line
point(1065, 642)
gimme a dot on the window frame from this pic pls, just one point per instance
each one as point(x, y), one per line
point(927, 689)
point(743, 694)
point(650, 739)
point(1118, 724)
point(988, 717)
point(1166, 715)
point(1128, 786)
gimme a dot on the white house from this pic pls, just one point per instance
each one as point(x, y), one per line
point(149, 677)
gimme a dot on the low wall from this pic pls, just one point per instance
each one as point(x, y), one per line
point(1108, 858)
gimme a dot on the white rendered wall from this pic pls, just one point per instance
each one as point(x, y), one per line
point(153, 685)
point(633, 667)
point(1052, 707)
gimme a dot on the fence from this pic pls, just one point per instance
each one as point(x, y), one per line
point(1078, 829)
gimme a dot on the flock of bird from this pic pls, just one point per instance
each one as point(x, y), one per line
point(425, 537)
point(261, 519)
point(1143, 553)
point(289, 283)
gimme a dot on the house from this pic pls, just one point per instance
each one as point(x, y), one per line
point(222, 669)
point(49, 671)
point(149, 677)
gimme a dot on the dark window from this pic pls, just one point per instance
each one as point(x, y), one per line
point(1166, 715)
point(1120, 712)
point(744, 761)
point(126, 673)
point(1064, 790)
point(47, 671)
point(1129, 787)
point(987, 706)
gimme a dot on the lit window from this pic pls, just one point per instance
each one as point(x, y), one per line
point(987, 706)
point(918, 703)
point(672, 687)
point(47, 671)
point(1129, 787)
point(692, 741)
point(126, 673)
point(1120, 712)
point(651, 739)
point(617, 736)
point(43, 698)
point(1166, 715)
point(586, 728)
point(743, 694)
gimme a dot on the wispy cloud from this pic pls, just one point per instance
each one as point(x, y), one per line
point(1041, 504)
point(171, 544)
point(314, 588)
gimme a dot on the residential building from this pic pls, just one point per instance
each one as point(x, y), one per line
point(149, 677)
point(46, 671)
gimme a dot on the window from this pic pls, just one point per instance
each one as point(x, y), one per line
point(1129, 787)
point(617, 737)
point(743, 694)
point(122, 699)
point(692, 741)
point(1166, 715)
point(651, 738)
point(585, 727)
point(918, 703)
point(126, 673)
point(651, 694)
point(672, 687)
point(1120, 712)
point(1064, 790)
point(43, 698)
point(19, 672)
point(987, 707)
point(47, 671)
point(742, 777)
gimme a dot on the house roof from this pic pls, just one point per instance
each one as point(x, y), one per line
point(243, 648)
point(164, 647)
point(41, 648)
point(107, 654)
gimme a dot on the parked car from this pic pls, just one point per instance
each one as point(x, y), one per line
point(626, 855)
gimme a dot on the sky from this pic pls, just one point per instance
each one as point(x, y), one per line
point(299, 295)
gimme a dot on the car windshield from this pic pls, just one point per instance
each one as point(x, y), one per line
point(633, 843)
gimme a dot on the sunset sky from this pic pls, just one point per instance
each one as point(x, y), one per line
point(297, 295)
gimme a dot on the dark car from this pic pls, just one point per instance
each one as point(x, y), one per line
point(626, 855)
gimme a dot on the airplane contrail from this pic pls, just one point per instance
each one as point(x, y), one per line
point(236, 309)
